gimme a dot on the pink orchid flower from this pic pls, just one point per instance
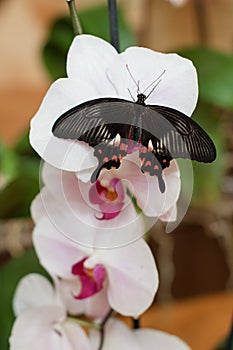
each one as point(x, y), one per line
point(118, 273)
point(105, 209)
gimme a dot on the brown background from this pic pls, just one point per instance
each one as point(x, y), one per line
point(197, 259)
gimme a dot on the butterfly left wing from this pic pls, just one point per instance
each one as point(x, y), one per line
point(95, 121)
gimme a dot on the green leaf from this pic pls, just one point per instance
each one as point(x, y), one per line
point(23, 147)
point(9, 162)
point(17, 195)
point(10, 275)
point(215, 71)
point(94, 21)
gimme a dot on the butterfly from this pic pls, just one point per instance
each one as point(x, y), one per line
point(115, 127)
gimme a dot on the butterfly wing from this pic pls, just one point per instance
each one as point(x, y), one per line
point(96, 121)
point(176, 135)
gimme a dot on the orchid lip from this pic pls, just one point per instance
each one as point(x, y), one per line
point(92, 280)
point(109, 196)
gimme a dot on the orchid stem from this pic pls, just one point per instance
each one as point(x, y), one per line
point(136, 323)
point(102, 328)
point(113, 22)
point(201, 21)
point(74, 18)
point(85, 323)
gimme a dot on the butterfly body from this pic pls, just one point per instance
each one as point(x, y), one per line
point(116, 127)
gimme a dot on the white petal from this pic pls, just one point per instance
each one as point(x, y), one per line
point(131, 270)
point(155, 203)
point(88, 59)
point(34, 329)
point(97, 306)
point(33, 290)
point(68, 289)
point(65, 154)
point(170, 215)
point(150, 339)
point(117, 336)
point(73, 337)
point(38, 210)
point(178, 87)
point(146, 188)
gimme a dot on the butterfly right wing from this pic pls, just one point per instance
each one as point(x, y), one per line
point(177, 135)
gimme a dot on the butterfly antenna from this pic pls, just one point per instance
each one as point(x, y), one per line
point(138, 90)
point(154, 88)
point(154, 82)
point(131, 95)
point(136, 83)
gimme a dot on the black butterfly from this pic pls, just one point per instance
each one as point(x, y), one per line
point(116, 126)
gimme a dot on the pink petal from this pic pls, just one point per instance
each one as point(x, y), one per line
point(89, 288)
point(95, 307)
point(56, 252)
point(131, 270)
point(75, 220)
point(90, 284)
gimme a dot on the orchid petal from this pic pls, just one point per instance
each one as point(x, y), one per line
point(56, 252)
point(95, 307)
point(75, 220)
point(178, 87)
point(41, 328)
point(33, 290)
point(34, 329)
point(149, 339)
point(150, 199)
point(65, 154)
point(130, 269)
point(74, 337)
point(86, 52)
point(117, 336)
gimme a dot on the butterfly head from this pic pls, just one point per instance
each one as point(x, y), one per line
point(141, 98)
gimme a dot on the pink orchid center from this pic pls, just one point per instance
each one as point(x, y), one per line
point(109, 196)
point(91, 279)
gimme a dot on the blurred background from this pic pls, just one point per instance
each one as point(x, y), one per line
point(197, 258)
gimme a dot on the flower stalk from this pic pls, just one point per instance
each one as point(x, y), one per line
point(113, 22)
point(74, 18)
point(103, 323)
point(84, 323)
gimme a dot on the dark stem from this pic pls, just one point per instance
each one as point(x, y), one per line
point(136, 323)
point(102, 328)
point(113, 22)
point(74, 18)
point(229, 343)
point(201, 21)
